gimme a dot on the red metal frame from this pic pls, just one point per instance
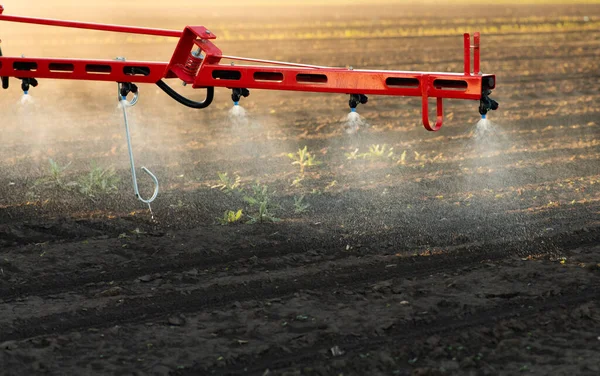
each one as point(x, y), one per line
point(209, 71)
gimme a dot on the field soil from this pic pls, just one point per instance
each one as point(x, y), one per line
point(474, 250)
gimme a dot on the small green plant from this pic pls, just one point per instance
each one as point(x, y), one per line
point(353, 156)
point(98, 181)
point(56, 177)
point(379, 152)
point(376, 152)
point(297, 181)
point(299, 205)
point(56, 171)
point(402, 160)
point(261, 201)
point(227, 184)
point(424, 158)
point(304, 159)
point(332, 184)
point(230, 217)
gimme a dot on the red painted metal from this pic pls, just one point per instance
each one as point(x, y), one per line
point(476, 53)
point(204, 68)
point(77, 69)
point(91, 26)
point(446, 85)
point(191, 38)
point(425, 108)
point(467, 52)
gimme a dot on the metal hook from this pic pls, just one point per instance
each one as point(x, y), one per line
point(124, 105)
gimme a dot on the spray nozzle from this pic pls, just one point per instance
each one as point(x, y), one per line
point(26, 83)
point(356, 99)
point(237, 94)
point(126, 88)
point(486, 103)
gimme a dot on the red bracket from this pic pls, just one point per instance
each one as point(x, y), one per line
point(192, 37)
point(425, 84)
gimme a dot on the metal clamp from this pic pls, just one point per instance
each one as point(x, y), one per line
point(123, 89)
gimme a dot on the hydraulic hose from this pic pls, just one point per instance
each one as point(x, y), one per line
point(210, 94)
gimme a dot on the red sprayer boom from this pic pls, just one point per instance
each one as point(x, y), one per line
point(198, 62)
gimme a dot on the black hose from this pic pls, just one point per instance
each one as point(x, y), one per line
point(4, 79)
point(210, 94)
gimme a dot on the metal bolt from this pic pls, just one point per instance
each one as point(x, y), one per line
point(207, 31)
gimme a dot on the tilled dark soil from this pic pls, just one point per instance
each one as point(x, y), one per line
point(462, 253)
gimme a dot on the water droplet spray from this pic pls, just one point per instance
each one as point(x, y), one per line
point(238, 115)
point(26, 99)
point(354, 122)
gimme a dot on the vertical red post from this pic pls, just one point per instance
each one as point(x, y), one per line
point(477, 38)
point(467, 54)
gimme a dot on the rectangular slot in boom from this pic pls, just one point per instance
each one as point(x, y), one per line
point(232, 75)
point(25, 66)
point(458, 85)
point(61, 67)
point(311, 78)
point(98, 68)
point(268, 76)
point(402, 82)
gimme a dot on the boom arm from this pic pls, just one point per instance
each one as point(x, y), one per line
point(198, 62)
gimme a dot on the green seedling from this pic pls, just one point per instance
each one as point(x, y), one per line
point(303, 158)
point(297, 181)
point(227, 184)
point(56, 171)
point(353, 156)
point(426, 159)
point(379, 152)
point(56, 175)
point(230, 217)
point(260, 200)
point(376, 152)
point(98, 181)
point(299, 205)
point(402, 160)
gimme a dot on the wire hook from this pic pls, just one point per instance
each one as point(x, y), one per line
point(124, 104)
